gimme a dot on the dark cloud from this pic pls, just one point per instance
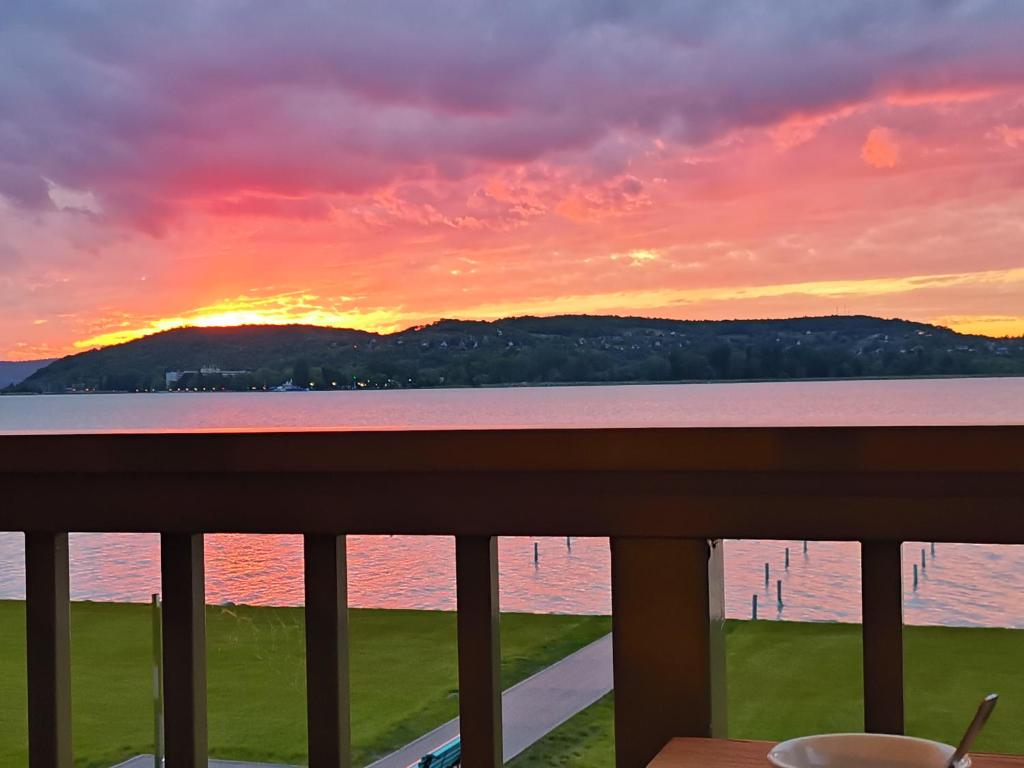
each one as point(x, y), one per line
point(150, 105)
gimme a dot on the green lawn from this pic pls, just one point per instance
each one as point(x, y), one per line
point(787, 679)
point(404, 677)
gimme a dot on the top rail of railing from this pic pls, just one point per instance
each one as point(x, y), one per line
point(982, 449)
point(870, 483)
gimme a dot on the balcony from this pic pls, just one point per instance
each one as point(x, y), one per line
point(664, 497)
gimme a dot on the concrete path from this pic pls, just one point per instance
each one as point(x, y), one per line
point(532, 708)
point(146, 761)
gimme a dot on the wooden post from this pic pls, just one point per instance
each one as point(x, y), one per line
point(48, 629)
point(158, 685)
point(476, 573)
point(882, 596)
point(327, 673)
point(668, 644)
point(184, 645)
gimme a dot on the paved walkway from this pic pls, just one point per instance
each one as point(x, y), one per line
point(530, 709)
point(146, 761)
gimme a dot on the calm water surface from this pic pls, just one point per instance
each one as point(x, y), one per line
point(962, 584)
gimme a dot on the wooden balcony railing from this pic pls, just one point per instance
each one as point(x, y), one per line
point(665, 497)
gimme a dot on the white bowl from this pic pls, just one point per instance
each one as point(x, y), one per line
point(862, 750)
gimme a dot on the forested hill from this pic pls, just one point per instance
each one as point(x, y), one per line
point(569, 348)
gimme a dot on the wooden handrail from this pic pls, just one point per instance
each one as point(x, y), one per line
point(976, 449)
point(938, 484)
point(665, 497)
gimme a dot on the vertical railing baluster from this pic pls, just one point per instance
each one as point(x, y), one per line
point(47, 620)
point(476, 573)
point(184, 643)
point(668, 644)
point(882, 599)
point(327, 680)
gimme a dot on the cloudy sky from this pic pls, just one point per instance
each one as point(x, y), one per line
point(381, 164)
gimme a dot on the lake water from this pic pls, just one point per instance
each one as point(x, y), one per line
point(962, 584)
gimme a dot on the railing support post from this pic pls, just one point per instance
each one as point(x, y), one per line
point(327, 680)
point(47, 620)
point(668, 644)
point(882, 598)
point(158, 683)
point(182, 575)
point(476, 574)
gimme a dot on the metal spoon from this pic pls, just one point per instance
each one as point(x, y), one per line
point(980, 717)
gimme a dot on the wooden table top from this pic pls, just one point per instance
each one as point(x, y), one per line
point(734, 753)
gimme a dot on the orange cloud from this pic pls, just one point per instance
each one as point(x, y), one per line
point(637, 258)
point(986, 325)
point(880, 150)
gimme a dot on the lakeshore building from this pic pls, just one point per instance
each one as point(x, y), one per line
point(173, 377)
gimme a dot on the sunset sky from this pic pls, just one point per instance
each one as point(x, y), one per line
point(382, 164)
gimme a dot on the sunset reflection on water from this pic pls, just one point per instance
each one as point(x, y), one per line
point(962, 584)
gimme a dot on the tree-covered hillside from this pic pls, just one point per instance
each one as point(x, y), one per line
point(525, 350)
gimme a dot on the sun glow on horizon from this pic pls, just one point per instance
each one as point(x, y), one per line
point(295, 308)
point(984, 325)
point(303, 308)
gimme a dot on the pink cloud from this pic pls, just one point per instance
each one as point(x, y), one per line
point(153, 106)
point(268, 205)
point(880, 149)
point(1011, 137)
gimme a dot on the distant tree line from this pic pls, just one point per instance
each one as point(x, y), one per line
point(534, 351)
